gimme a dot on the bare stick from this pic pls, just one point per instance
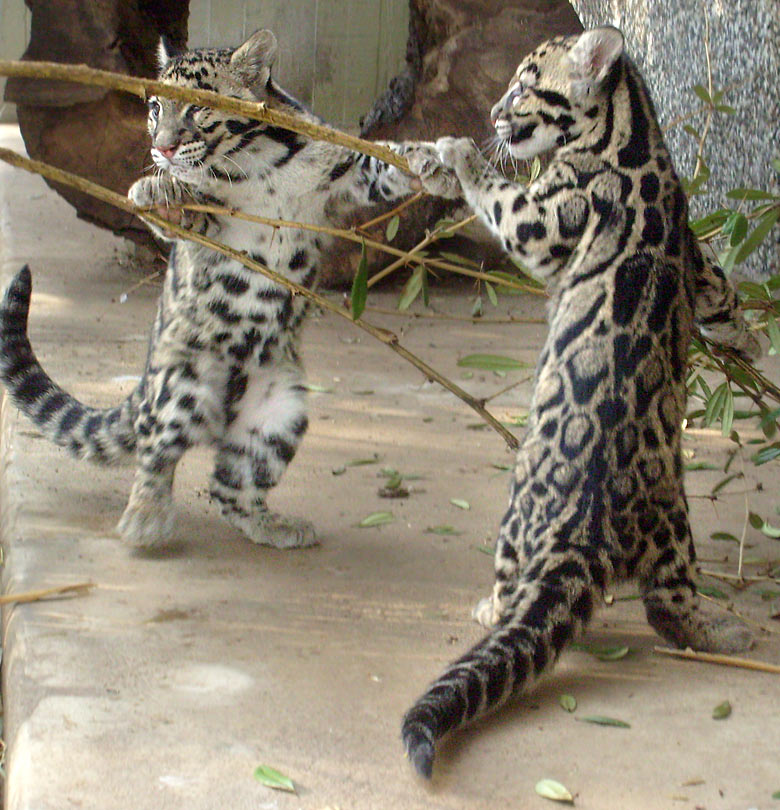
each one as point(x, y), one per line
point(390, 339)
point(352, 236)
point(46, 593)
point(724, 660)
point(143, 88)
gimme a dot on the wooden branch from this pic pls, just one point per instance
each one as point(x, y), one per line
point(144, 88)
point(46, 593)
point(390, 339)
point(723, 660)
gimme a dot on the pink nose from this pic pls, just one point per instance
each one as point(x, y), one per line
point(167, 151)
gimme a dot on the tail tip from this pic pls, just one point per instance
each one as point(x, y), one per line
point(21, 286)
point(420, 749)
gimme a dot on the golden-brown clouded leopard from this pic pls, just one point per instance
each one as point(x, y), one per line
point(597, 493)
point(223, 366)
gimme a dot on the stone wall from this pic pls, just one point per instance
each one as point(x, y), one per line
point(666, 39)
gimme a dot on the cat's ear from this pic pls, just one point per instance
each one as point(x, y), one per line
point(252, 61)
point(166, 51)
point(592, 57)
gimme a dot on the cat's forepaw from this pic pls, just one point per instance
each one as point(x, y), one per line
point(147, 524)
point(272, 529)
point(453, 152)
point(434, 177)
point(484, 612)
point(723, 634)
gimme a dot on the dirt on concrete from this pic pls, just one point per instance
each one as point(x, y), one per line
point(168, 684)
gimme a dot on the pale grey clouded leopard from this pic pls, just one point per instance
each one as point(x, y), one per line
point(597, 492)
point(223, 366)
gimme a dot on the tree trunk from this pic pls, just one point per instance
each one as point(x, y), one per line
point(99, 134)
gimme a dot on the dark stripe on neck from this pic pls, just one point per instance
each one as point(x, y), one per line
point(636, 152)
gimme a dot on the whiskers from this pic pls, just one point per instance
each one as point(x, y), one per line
point(496, 151)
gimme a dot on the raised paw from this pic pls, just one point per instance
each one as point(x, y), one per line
point(272, 529)
point(484, 612)
point(146, 524)
point(435, 178)
point(453, 151)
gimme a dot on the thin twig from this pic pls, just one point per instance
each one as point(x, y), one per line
point(143, 88)
point(442, 316)
point(715, 658)
point(364, 226)
point(390, 339)
point(46, 593)
point(353, 236)
point(740, 578)
point(429, 238)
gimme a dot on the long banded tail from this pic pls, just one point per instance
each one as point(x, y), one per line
point(547, 612)
point(100, 435)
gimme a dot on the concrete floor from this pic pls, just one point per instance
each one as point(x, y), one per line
point(170, 682)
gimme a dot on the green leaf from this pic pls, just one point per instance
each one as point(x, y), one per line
point(492, 362)
point(765, 224)
point(702, 93)
point(271, 778)
point(739, 231)
point(724, 536)
point(776, 167)
point(491, 294)
point(443, 530)
point(554, 791)
point(756, 521)
point(722, 483)
point(361, 462)
point(392, 228)
point(773, 331)
point(609, 653)
point(693, 466)
point(691, 131)
point(717, 219)
point(314, 388)
point(725, 108)
point(412, 289)
point(715, 404)
point(770, 531)
point(568, 702)
point(376, 519)
point(766, 454)
point(721, 711)
point(359, 293)
point(460, 503)
point(776, 794)
point(711, 591)
point(338, 470)
point(476, 309)
point(750, 194)
point(489, 550)
point(601, 720)
point(727, 417)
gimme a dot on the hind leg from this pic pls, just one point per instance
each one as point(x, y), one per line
point(173, 416)
point(672, 605)
point(265, 427)
point(509, 561)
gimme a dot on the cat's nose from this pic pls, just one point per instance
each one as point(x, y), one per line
point(167, 151)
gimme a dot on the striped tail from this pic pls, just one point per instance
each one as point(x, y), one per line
point(104, 436)
point(547, 612)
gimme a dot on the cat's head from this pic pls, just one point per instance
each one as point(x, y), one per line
point(195, 143)
point(558, 92)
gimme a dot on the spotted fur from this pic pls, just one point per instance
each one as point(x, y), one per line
point(223, 365)
point(597, 493)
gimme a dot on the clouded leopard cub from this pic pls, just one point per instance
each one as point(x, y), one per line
point(597, 493)
point(223, 365)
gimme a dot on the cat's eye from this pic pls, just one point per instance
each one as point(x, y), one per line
point(154, 107)
point(516, 93)
point(193, 109)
